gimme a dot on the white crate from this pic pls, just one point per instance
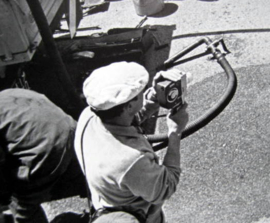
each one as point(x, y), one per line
point(18, 31)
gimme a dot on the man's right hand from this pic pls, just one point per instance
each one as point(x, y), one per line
point(178, 121)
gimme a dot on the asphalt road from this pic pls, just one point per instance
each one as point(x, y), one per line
point(225, 165)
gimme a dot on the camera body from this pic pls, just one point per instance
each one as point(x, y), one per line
point(172, 95)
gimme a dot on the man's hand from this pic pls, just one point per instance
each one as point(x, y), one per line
point(178, 121)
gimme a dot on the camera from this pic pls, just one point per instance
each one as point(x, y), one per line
point(172, 95)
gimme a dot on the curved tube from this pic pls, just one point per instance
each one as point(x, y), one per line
point(213, 112)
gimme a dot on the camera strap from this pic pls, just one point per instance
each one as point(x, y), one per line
point(90, 206)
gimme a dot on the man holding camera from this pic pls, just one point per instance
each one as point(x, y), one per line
point(126, 181)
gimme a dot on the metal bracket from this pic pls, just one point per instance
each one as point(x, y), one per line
point(218, 46)
point(212, 48)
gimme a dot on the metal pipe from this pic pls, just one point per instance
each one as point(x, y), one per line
point(170, 62)
point(53, 52)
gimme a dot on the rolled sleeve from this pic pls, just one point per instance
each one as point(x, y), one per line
point(153, 182)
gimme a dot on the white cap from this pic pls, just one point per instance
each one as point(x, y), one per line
point(114, 84)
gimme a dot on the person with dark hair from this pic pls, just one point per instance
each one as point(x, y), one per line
point(37, 158)
point(113, 112)
point(126, 180)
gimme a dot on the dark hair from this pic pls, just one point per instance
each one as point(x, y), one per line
point(112, 112)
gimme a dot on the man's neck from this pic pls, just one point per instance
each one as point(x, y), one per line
point(120, 121)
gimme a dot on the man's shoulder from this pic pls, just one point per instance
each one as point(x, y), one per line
point(85, 116)
point(27, 116)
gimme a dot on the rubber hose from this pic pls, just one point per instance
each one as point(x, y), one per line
point(210, 114)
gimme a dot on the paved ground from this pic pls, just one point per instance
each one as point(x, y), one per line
point(226, 164)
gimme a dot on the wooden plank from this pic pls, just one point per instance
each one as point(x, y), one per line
point(18, 29)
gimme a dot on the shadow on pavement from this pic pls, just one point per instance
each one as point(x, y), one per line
point(168, 9)
point(71, 217)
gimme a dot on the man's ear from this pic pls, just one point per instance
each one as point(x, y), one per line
point(129, 108)
point(129, 105)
